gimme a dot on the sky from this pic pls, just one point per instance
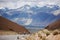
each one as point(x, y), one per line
point(18, 3)
point(30, 12)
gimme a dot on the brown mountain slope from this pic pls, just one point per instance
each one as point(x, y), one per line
point(6, 24)
point(54, 25)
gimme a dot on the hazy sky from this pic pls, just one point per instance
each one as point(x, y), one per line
point(12, 4)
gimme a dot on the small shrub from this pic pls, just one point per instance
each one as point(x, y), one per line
point(43, 37)
point(46, 32)
point(56, 32)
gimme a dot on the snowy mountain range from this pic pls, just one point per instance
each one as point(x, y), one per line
point(32, 15)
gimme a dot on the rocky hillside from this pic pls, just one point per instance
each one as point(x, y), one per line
point(54, 25)
point(6, 24)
